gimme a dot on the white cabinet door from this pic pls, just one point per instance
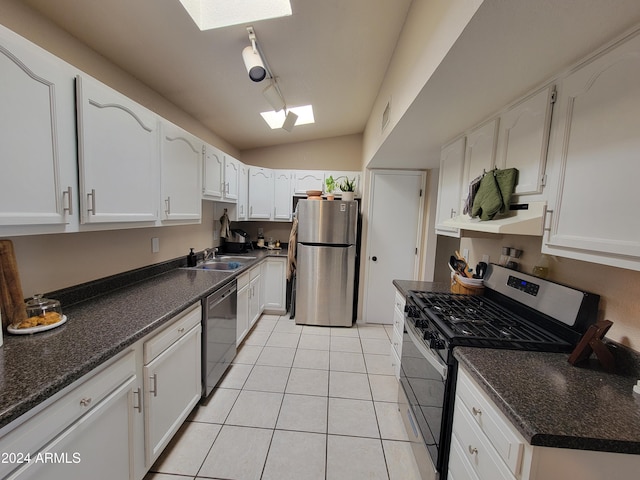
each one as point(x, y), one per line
point(255, 296)
point(37, 135)
point(243, 301)
point(181, 156)
point(304, 180)
point(260, 193)
point(449, 186)
point(231, 175)
point(173, 386)
point(480, 152)
point(523, 140)
point(243, 192)
point(117, 155)
point(213, 173)
point(274, 284)
point(594, 161)
point(282, 198)
point(99, 445)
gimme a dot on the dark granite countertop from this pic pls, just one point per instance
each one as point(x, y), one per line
point(555, 404)
point(404, 286)
point(35, 367)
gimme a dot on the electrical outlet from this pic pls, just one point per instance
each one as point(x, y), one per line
point(485, 258)
point(155, 245)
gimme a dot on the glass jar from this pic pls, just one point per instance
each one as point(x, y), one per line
point(44, 311)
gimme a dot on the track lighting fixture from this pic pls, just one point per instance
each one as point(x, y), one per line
point(253, 60)
point(289, 121)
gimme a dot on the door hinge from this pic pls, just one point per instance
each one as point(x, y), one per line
point(416, 250)
point(543, 180)
point(554, 96)
point(420, 192)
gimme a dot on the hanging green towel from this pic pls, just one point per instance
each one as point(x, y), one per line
point(494, 193)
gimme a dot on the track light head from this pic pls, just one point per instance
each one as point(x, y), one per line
point(289, 121)
point(254, 64)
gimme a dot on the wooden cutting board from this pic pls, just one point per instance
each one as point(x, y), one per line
point(11, 298)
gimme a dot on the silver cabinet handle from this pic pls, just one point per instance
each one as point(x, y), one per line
point(68, 194)
point(138, 395)
point(181, 330)
point(154, 390)
point(85, 401)
point(476, 411)
point(473, 450)
point(453, 213)
point(167, 209)
point(91, 200)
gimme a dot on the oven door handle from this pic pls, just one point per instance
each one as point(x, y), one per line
point(435, 362)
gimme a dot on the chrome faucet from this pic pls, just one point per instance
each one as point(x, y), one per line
point(210, 253)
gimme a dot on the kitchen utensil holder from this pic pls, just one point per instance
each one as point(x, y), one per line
point(459, 288)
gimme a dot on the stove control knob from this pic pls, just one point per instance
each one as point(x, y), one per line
point(420, 323)
point(436, 343)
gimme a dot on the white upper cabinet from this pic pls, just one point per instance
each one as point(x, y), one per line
point(243, 192)
point(117, 156)
point(261, 186)
point(523, 140)
point(282, 197)
point(594, 161)
point(449, 186)
point(37, 136)
point(231, 175)
point(181, 165)
point(480, 152)
point(213, 173)
point(304, 180)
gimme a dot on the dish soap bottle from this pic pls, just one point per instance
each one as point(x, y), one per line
point(192, 260)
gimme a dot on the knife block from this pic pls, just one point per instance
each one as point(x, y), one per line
point(11, 299)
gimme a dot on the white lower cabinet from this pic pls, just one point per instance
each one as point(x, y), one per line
point(274, 285)
point(256, 304)
point(243, 300)
point(486, 446)
point(398, 332)
point(88, 432)
point(172, 380)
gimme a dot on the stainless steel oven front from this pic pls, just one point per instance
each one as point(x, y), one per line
point(426, 381)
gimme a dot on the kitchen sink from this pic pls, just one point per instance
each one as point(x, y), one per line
point(219, 265)
point(236, 258)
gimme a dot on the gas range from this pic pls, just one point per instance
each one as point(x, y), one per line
point(518, 311)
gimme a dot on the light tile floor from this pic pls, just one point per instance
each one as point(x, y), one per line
point(299, 402)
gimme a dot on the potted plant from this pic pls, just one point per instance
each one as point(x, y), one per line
point(348, 188)
point(331, 186)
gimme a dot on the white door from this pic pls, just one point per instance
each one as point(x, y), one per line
point(393, 239)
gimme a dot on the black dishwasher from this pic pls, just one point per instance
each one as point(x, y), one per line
point(218, 335)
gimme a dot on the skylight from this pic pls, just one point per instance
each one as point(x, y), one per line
point(276, 119)
point(209, 14)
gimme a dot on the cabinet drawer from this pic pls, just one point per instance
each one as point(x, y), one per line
point(477, 449)
point(459, 466)
point(49, 422)
point(243, 280)
point(481, 410)
point(255, 272)
point(164, 339)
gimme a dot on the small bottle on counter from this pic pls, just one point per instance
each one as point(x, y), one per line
point(260, 240)
point(192, 260)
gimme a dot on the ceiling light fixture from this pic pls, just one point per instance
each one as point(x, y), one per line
point(289, 121)
point(273, 96)
point(253, 60)
point(209, 14)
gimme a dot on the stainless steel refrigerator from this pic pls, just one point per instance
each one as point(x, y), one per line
point(326, 259)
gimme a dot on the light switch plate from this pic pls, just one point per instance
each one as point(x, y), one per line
point(155, 245)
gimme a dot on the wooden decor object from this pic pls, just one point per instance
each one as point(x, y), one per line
point(11, 298)
point(591, 342)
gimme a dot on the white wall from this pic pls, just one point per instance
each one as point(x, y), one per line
point(431, 29)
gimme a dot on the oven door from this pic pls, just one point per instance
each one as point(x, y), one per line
point(424, 377)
